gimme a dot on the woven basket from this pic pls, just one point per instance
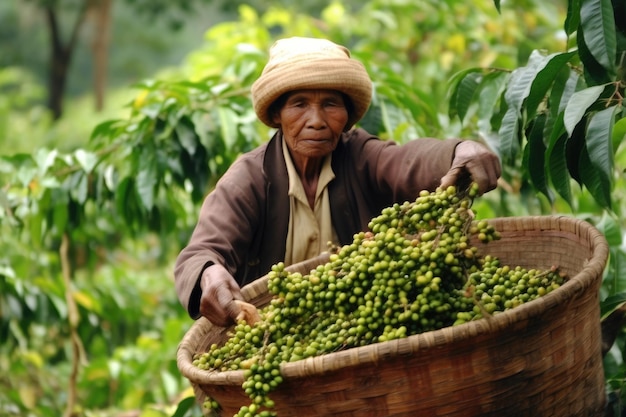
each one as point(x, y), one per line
point(542, 358)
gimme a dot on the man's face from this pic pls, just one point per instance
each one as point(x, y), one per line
point(312, 122)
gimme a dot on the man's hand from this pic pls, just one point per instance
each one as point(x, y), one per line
point(473, 162)
point(221, 301)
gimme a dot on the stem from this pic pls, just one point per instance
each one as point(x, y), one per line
point(73, 319)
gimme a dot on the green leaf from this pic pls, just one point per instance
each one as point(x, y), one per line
point(519, 85)
point(384, 115)
point(536, 156)
point(597, 24)
point(169, 383)
point(619, 133)
point(126, 200)
point(497, 4)
point(456, 78)
point(9, 163)
point(186, 135)
point(109, 177)
point(557, 163)
point(151, 110)
point(600, 153)
point(558, 169)
point(515, 95)
point(578, 104)
point(109, 129)
point(509, 142)
point(418, 102)
point(45, 159)
point(572, 20)
point(593, 179)
point(522, 78)
point(594, 73)
point(87, 160)
point(204, 128)
point(575, 147)
point(612, 303)
point(228, 123)
point(372, 121)
point(77, 186)
point(599, 139)
point(26, 173)
point(184, 406)
point(59, 304)
point(615, 279)
point(489, 96)
point(466, 90)
point(453, 89)
point(611, 229)
point(147, 177)
point(565, 84)
point(545, 76)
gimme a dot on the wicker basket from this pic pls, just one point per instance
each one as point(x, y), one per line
point(542, 358)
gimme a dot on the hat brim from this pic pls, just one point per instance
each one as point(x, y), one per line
point(345, 75)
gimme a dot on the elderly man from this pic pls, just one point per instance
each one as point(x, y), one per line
point(318, 179)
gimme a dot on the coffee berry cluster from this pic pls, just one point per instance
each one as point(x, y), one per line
point(414, 270)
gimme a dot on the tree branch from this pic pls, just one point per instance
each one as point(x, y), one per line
point(73, 319)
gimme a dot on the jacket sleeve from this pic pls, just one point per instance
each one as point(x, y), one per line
point(402, 171)
point(226, 223)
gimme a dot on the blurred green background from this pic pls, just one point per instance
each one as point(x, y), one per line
point(103, 167)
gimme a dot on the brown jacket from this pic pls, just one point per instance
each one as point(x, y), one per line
point(243, 221)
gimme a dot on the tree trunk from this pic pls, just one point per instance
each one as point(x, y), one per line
point(101, 16)
point(59, 65)
point(60, 58)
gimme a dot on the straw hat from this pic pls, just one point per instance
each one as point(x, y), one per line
point(307, 63)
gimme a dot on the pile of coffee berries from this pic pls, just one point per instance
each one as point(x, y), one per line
point(413, 271)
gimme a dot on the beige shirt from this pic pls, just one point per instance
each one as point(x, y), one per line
point(309, 230)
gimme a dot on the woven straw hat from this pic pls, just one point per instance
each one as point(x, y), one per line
point(307, 63)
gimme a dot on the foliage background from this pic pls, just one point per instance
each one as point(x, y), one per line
point(94, 206)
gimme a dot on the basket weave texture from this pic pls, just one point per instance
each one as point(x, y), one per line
point(542, 358)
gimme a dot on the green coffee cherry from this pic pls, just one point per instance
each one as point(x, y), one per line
point(413, 271)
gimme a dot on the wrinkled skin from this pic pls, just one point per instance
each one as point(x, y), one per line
point(312, 122)
point(473, 162)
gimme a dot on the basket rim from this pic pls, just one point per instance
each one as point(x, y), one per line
point(370, 354)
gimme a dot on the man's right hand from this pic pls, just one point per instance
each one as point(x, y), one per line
point(473, 162)
point(219, 292)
